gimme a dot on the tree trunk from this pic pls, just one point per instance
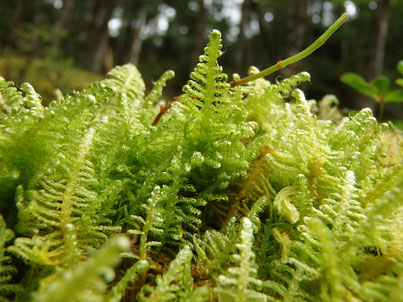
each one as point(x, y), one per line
point(197, 48)
point(109, 61)
point(123, 45)
point(140, 13)
point(62, 22)
point(264, 36)
point(13, 22)
point(98, 35)
point(381, 35)
point(296, 33)
point(241, 43)
point(137, 42)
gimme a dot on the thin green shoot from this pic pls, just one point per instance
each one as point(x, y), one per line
point(299, 56)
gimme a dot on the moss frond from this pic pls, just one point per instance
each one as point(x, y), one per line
point(239, 282)
point(7, 270)
point(174, 283)
point(88, 280)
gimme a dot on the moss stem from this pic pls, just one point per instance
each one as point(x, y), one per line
point(299, 56)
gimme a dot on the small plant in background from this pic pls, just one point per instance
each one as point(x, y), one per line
point(378, 89)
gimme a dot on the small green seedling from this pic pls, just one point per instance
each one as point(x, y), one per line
point(378, 89)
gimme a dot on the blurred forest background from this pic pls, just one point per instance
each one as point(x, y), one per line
point(68, 44)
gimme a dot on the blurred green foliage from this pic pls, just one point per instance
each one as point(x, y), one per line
point(46, 74)
point(377, 89)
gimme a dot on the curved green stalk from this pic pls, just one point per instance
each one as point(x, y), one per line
point(299, 56)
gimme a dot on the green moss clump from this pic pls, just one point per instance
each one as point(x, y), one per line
point(235, 194)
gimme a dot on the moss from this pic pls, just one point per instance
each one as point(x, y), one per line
point(233, 194)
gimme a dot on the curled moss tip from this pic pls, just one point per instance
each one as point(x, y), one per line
point(215, 34)
point(170, 74)
point(122, 243)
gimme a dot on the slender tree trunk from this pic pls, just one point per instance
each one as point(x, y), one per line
point(240, 46)
point(98, 36)
point(17, 14)
point(13, 22)
point(62, 22)
point(296, 32)
point(381, 35)
point(197, 47)
point(264, 36)
point(109, 61)
point(36, 40)
point(137, 42)
point(92, 38)
point(123, 44)
point(141, 16)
